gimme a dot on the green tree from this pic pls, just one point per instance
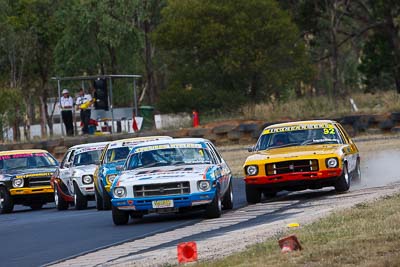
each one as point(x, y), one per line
point(15, 56)
point(97, 37)
point(381, 52)
point(250, 49)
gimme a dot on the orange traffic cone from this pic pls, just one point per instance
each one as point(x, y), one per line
point(187, 252)
point(289, 243)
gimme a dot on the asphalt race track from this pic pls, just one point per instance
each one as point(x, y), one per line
point(34, 238)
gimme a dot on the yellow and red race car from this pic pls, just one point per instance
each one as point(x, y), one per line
point(25, 178)
point(301, 155)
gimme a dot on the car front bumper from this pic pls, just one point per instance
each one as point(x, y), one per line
point(31, 190)
point(87, 190)
point(179, 201)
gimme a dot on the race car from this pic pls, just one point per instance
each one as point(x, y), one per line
point(73, 179)
point(25, 178)
point(301, 155)
point(111, 160)
point(171, 176)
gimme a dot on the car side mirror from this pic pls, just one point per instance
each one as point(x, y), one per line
point(120, 168)
point(67, 165)
point(250, 149)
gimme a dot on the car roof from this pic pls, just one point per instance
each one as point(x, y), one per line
point(89, 145)
point(173, 141)
point(293, 123)
point(22, 151)
point(120, 142)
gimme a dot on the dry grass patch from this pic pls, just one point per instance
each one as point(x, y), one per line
point(323, 107)
point(366, 235)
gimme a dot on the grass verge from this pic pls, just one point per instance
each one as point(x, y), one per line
point(366, 235)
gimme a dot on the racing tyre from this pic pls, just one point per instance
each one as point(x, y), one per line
point(106, 200)
point(99, 199)
point(6, 201)
point(120, 217)
point(79, 199)
point(356, 177)
point(214, 209)
point(61, 204)
point(253, 195)
point(343, 183)
point(36, 205)
point(227, 202)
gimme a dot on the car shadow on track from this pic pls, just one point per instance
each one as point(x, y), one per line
point(302, 195)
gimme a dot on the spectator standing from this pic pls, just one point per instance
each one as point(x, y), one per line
point(84, 104)
point(66, 104)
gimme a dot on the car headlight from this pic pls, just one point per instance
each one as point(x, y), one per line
point(119, 192)
point(331, 162)
point(203, 185)
point(18, 182)
point(87, 179)
point(111, 178)
point(251, 170)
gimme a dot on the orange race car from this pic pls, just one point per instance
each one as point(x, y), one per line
point(301, 155)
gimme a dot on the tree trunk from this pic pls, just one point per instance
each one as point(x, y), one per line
point(149, 63)
point(334, 52)
point(27, 121)
point(393, 33)
point(49, 117)
point(16, 122)
point(113, 58)
point(43, 117)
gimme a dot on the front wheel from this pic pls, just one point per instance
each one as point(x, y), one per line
point(343, 183)
point(6, 201)
point(99, 199)
point(79, 199)
point(357, 174)
point(227, 202)
point(253, 195)
point(61, 204)
point(106, 200)
point(120, 217)
point(214, 209)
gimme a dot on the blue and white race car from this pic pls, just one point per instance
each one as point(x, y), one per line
point(171, 176)
point(112, 159)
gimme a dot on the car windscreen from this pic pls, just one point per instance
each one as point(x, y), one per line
point(27, 161)
point(87, 157)
point(277, 139)
point(117, 154)
point(168, 156)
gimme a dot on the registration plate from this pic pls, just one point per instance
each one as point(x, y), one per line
point(161, 204)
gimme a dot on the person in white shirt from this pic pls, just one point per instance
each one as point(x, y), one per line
point(66, 104)
point(85, 110)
